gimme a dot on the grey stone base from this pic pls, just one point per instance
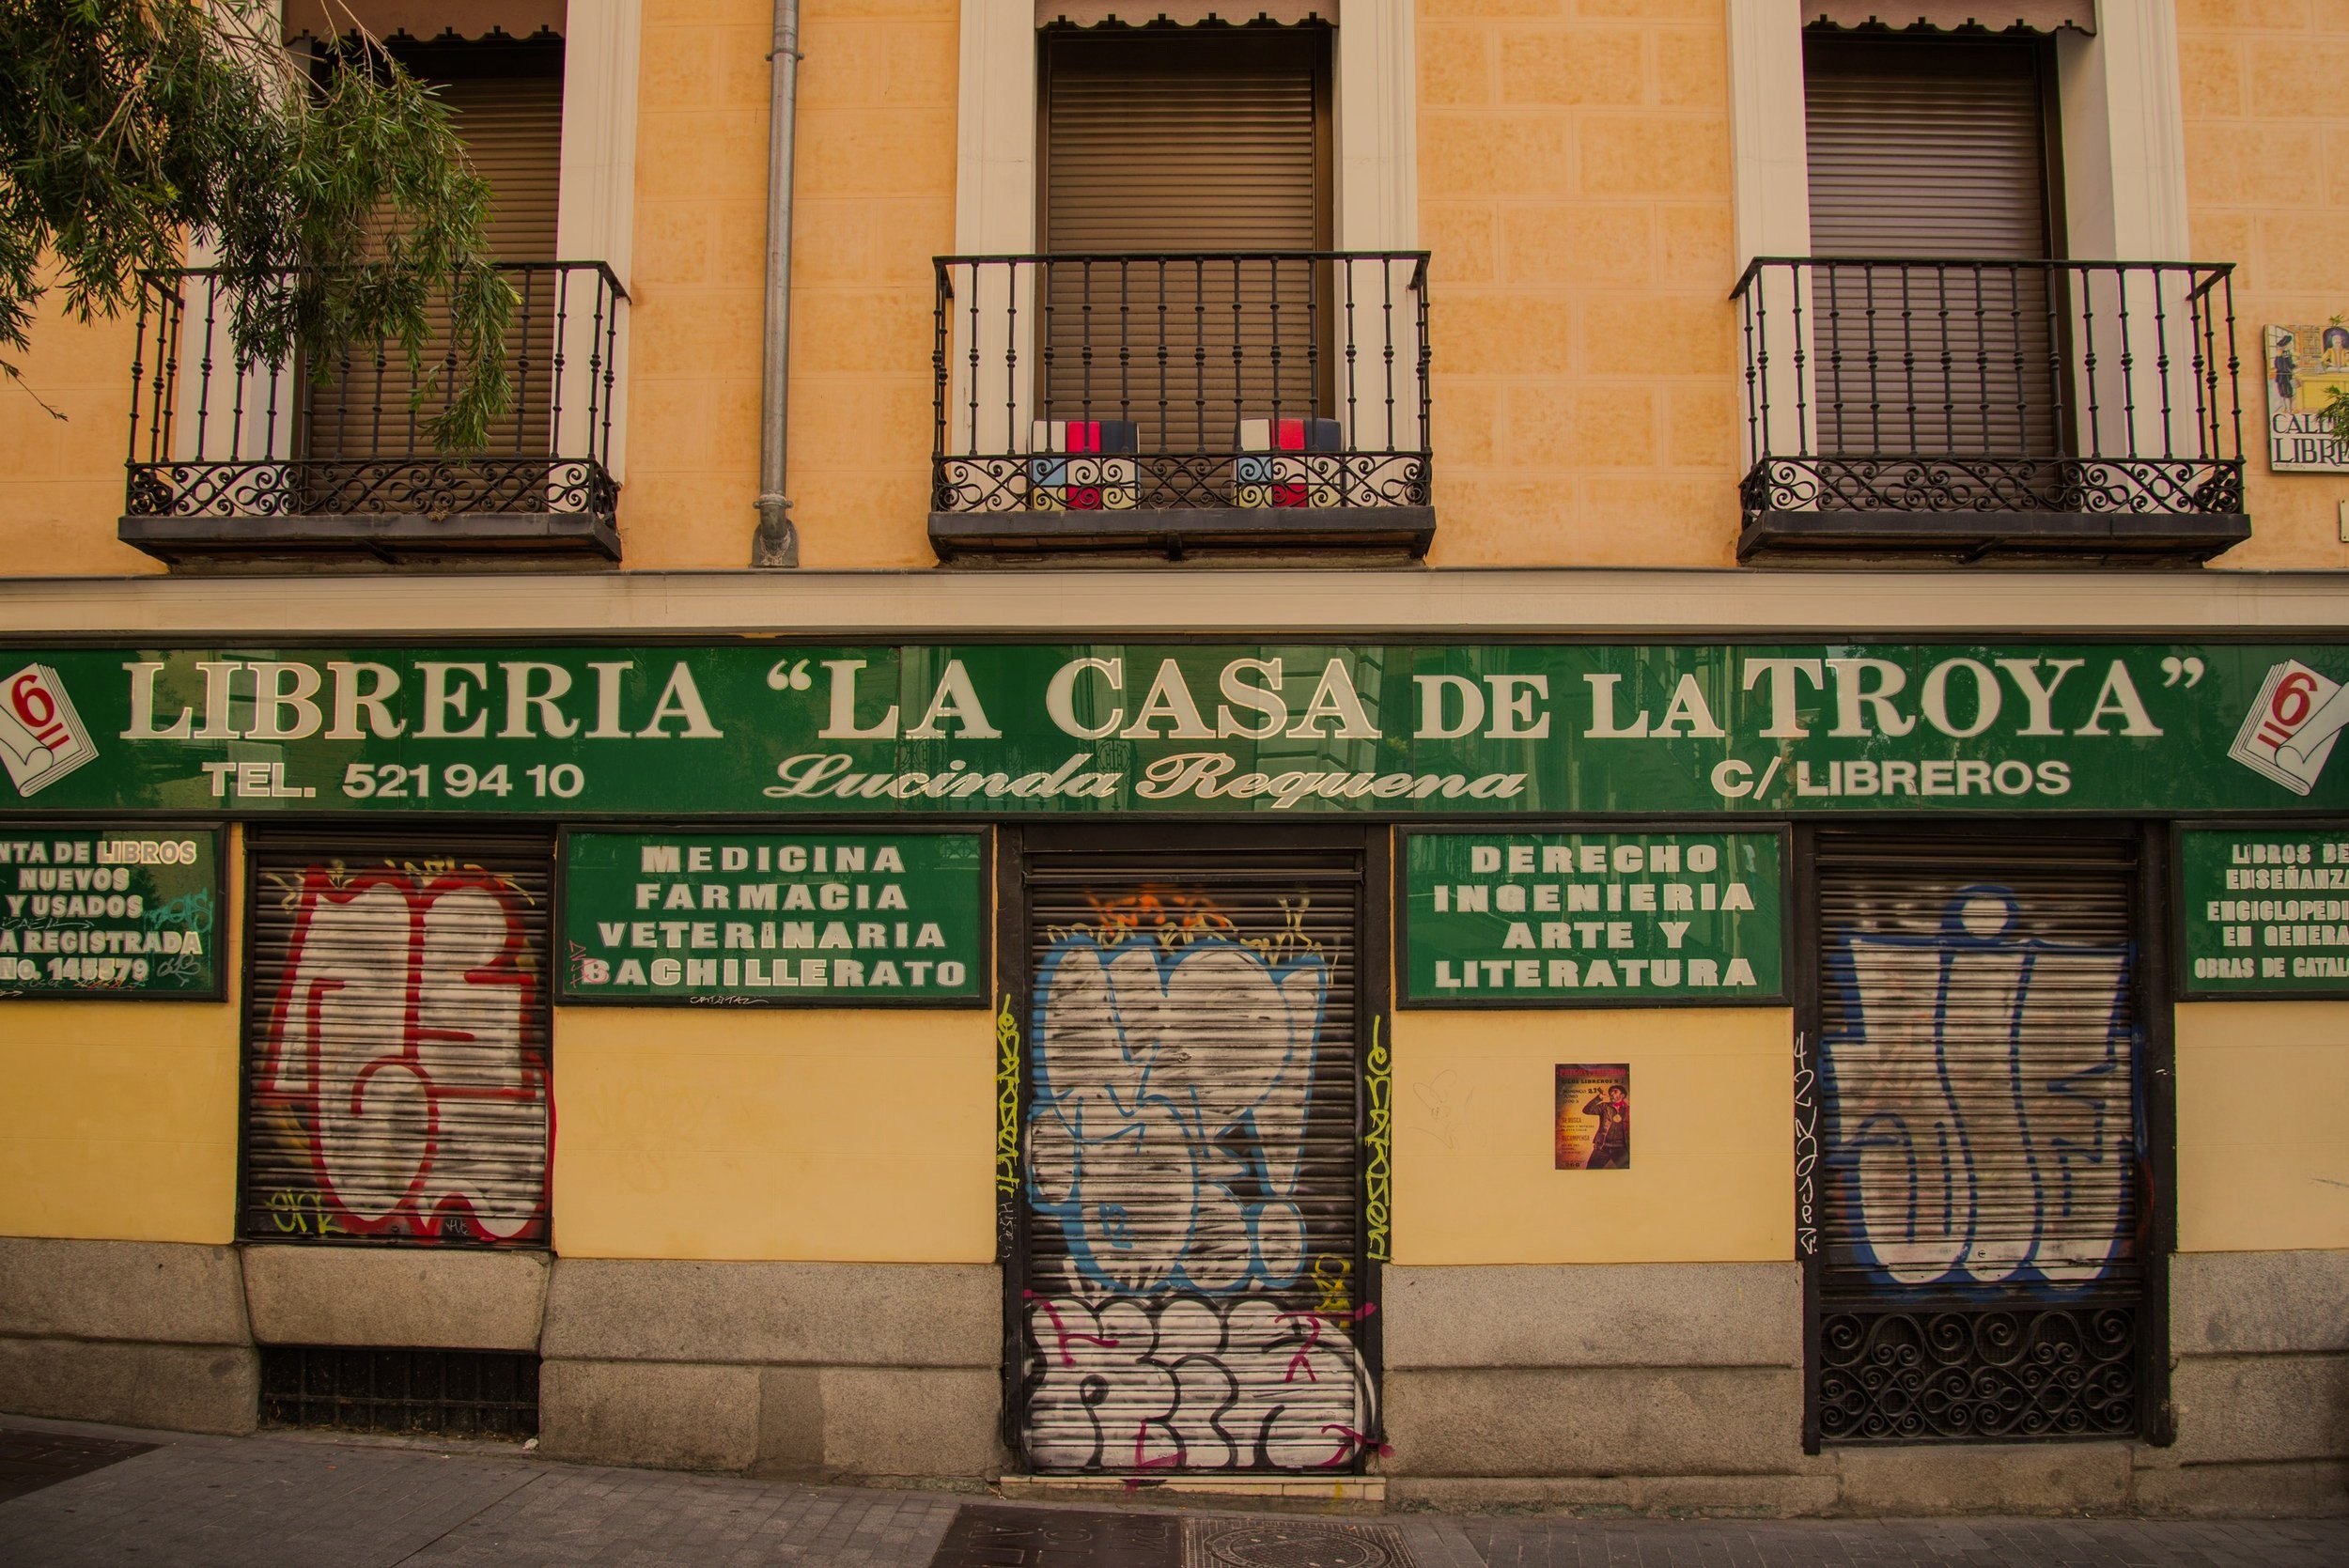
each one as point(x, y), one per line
point(1677, 1389)
point(179, 1388)
point(801, 1424)
point(805, 1370)
point(1650, 1388)
point(443, 1298)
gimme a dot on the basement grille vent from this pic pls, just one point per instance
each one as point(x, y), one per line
point(443, 1393)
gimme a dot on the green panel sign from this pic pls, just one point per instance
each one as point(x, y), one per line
point(124, 910)
point(774, 918)
point(739, 728)
point(1501, 919)
point(2265, 910)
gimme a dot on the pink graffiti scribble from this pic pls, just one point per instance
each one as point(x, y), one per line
point(1349, 1441)
point(404, 1041)
point(1304, 1358)
point(1141, 1437)
point(1063, 1334)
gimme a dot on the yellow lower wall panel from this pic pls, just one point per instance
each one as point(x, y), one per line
point(118, 1121)
point(1711, 1178)
point(2262, 1126)
point(820, 1135)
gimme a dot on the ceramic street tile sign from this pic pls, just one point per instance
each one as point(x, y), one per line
point(774, 918)
point(1498, 919)
point(2306, 364)
point(124, 910)
point(2264, 911)
point(737, 729)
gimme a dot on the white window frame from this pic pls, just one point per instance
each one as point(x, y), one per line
point(594, 221)
point(2123, 129)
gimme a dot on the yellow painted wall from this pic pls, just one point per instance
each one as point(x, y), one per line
point(860, 1137)
point(2262, 1126)
point(875, 201)
point(119, 1119)
point(1574, 193)
point(2268, 175)
point(1711, 1144)
point(61, 479)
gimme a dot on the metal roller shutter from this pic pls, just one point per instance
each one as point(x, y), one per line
point(1163, 143)
point(1192, 1262)
point(507, 101)
point(1933, 150)
point(1980, 1050)
point(396, 1038)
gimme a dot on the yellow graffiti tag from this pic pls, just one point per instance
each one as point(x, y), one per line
point(1378, 1175)
point(1006, 1100)
point(1334, 1278)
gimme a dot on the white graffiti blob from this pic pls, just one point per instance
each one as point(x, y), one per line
point(398, 1036)
point(1195, 1385)
point(2027, 1053)
point(1169, 1115)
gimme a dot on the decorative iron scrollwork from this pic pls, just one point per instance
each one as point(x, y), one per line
point(433, 488)
point(2116, 486)
point(1958, 1372)
point(999, 481)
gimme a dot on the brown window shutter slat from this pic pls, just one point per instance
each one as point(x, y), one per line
point(1927, 151)
point(1924, 148)
point(1163, 142)
point(506, 102)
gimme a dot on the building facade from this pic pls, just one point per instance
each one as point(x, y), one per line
point(1560, 753)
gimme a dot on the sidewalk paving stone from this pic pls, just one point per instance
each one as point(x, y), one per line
point(300, 1499)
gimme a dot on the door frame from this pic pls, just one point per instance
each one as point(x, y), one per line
point(1013, 1003)
point(2151, 920)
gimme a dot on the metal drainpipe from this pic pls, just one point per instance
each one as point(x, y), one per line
point(777, 541)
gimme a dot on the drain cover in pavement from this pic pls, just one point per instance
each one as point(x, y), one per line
point(991, 1537)
point(32, 1460)
point(1293, 1544)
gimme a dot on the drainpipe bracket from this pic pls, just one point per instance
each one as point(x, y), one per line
point(776, 543)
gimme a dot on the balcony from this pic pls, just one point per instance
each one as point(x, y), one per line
point(236, 460)
point(1973, 409)
point(1174, 404)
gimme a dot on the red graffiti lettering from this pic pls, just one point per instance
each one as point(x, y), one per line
point(403, 1041)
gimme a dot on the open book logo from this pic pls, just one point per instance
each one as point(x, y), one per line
point(42, 737)
point(2290, 731)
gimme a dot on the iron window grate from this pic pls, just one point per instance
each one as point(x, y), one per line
point(447, 1393)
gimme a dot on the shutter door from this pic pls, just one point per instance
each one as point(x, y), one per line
point(1191, 1257)
point(1979, 1062)
point(1930, 151)
point(396, 1030)
point(1186, 142)
point(507, 104)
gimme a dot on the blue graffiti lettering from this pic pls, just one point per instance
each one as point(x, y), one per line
point(1979, 1102)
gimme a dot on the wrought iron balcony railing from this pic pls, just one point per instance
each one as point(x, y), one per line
point(1980, 406)
point(229, 456)
point(1169, 401)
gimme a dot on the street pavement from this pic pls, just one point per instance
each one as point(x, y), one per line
point(75, 1494)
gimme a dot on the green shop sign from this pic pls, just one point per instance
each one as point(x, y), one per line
point(751, 728)
point(2265, 910)
point(1496, 918)
point(746, 918)
point(123, 910)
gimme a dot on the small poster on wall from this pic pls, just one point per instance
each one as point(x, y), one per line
point(2306, 366)
point(1594, 1129)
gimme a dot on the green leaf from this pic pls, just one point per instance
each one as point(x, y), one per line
point(334, 193)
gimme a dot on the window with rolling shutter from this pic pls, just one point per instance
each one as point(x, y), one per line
point(506, 102)
point(1190, 1268)
point(1938, 150)
point(396, 1039)
point(1980, 1260)
point(1174, 143)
